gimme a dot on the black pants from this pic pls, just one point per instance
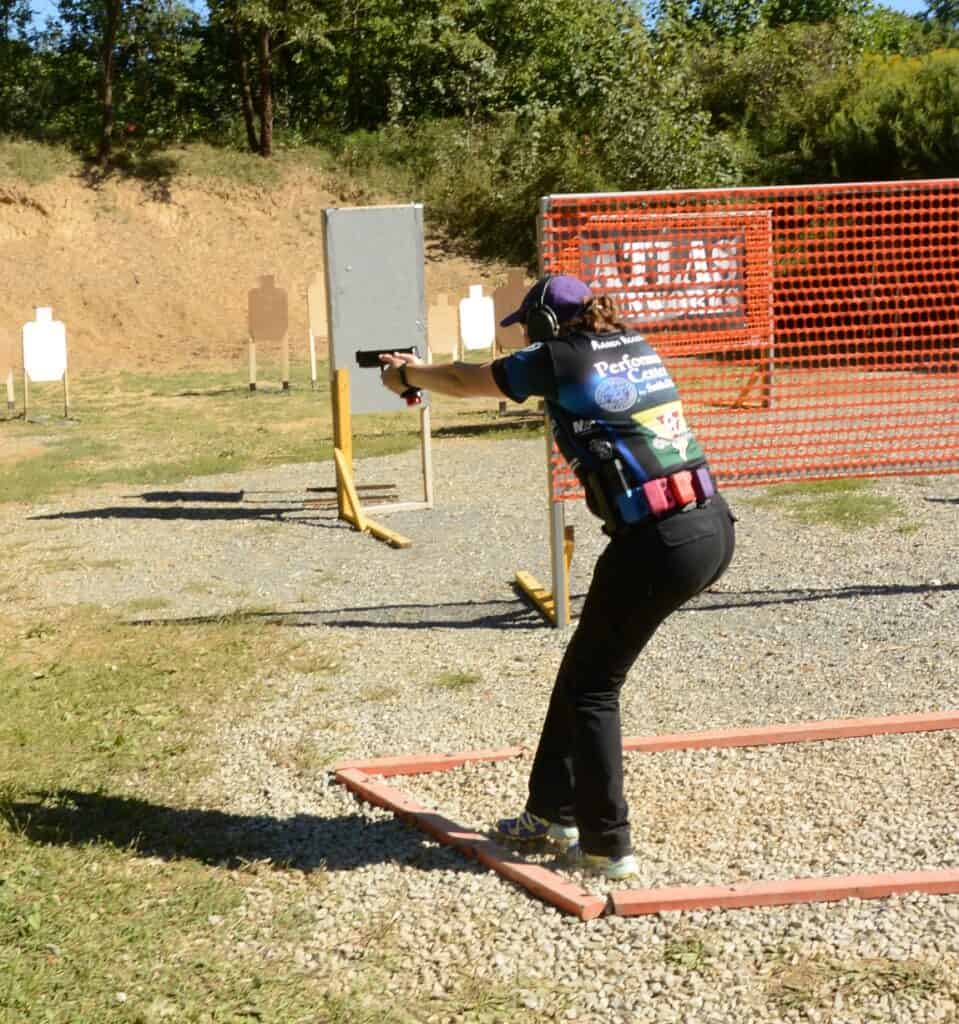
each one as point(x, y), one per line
point(643, 575)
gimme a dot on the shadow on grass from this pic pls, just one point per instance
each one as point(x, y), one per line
point(272, 512)
point(170, 497)
point(516, 426)
point(145, 163)
point(303, 842)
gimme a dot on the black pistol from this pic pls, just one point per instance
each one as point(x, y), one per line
point(368, 358)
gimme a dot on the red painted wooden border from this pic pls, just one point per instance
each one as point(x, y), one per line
point(799, 732)
point(419, 764)
point(553, 888)
point(541, 881)
point(766, 894)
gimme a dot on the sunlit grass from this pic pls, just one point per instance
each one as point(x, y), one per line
point(150, 429)
point(849, 504)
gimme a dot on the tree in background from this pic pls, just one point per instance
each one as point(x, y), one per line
point(119, 70)
point(478, 107)
point(944, 13)
point(898, 118)
point(17, 65)
point(262, 34)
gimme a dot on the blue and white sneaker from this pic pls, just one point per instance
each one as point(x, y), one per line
point(528, 827)
point(613, 868)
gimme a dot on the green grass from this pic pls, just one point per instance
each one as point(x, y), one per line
point(147, 604)
point(801, 984)
point(846, 504)
point(205, 162)
point(89, 698)
point(454, 680)
point(36, 163)
point(145, 430)
point(120, 901)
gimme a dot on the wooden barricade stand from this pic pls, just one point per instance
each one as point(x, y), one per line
point(347, 499)
point(378, 248)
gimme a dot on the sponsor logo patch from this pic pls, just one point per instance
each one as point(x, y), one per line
point(615, 394)
point(670, 431)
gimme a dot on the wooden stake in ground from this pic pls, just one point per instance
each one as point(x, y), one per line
point(316, 306)
point(348, 501)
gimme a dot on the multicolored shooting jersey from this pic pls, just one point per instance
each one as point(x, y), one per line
point(606, 394)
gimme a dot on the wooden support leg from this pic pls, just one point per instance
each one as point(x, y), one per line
point(344, 475)
point(740, 400)
point(569, 544)
point(342, 430)
point(252, 357)
point(356, 516)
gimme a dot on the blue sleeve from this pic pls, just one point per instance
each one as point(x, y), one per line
point(524, 373)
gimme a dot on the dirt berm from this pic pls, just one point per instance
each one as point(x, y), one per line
point(149, 282)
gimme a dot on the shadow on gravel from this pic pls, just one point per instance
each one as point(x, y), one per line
point(304, 842)
point(517, 614)
point(455, 615)
point(758, 598)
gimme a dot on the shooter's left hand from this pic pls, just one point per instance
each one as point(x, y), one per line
point(391, 373)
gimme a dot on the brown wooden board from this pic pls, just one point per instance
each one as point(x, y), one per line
point(268, 315)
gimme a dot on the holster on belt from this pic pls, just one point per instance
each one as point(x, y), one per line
point(599, 505)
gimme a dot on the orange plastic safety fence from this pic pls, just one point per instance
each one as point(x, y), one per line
point(812, 331)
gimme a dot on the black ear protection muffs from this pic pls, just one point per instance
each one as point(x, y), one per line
point(541, 322)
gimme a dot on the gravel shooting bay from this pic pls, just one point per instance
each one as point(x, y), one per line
point(432, 650)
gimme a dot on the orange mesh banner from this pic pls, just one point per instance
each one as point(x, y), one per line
point(813, 331)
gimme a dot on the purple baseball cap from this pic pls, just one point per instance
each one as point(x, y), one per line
point(564, 295)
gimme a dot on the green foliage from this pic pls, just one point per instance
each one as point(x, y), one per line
point(479, 107)
point(34, 162)
point(899, 118)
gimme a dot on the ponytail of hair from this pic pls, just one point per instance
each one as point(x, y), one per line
point(599, 315)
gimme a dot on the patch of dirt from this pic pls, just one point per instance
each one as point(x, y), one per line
point(19, 450)
point(157, 282)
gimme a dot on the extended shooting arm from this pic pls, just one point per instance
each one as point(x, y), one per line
point(461, 380)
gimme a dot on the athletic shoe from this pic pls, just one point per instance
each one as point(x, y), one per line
point(529, 826)
point(613, 868)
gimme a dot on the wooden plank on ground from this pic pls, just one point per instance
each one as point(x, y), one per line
point(538, 594)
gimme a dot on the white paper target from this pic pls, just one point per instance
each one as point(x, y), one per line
point(44, 347)
point(477, 319)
